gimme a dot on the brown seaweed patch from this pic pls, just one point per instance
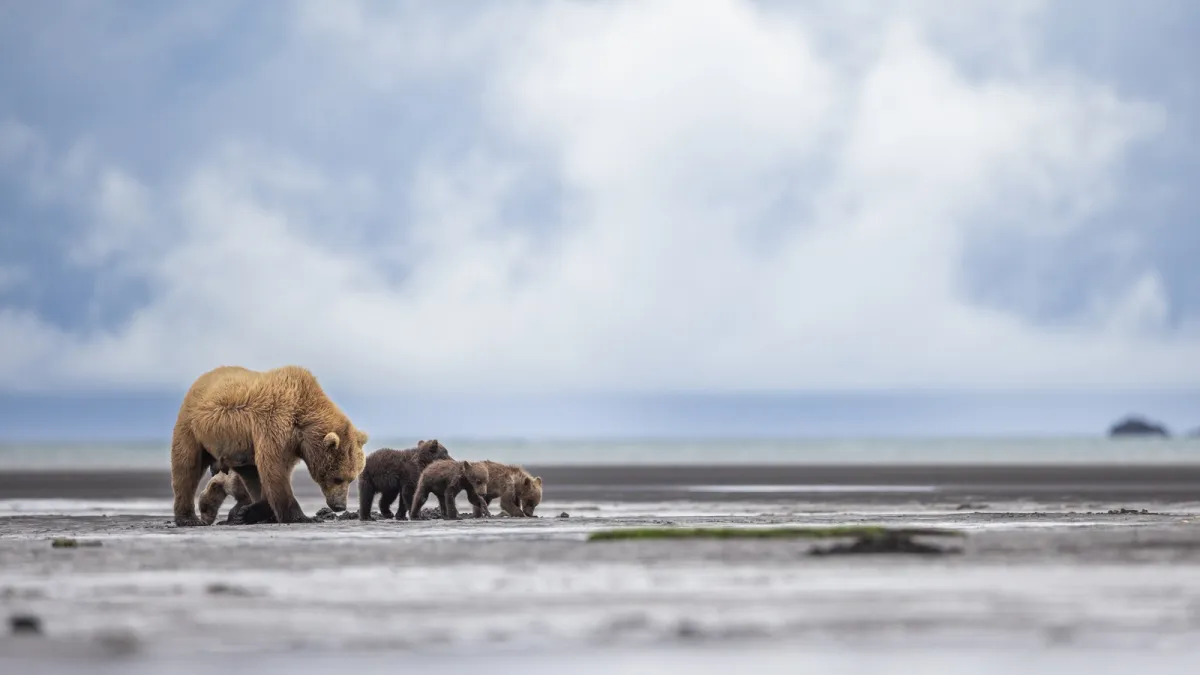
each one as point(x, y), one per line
point(836, 532)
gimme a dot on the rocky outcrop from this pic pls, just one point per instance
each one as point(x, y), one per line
point(1137, 426)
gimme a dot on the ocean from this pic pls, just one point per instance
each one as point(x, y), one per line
point(150, 455)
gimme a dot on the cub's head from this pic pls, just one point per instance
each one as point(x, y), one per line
point(431, 451)
point(529, 491)
point(336, 461)
point(476, 473)
point(213, 497)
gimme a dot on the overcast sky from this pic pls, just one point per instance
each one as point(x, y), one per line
point(651, 197)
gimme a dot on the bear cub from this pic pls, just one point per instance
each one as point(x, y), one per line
point(395, 473)
point(519, 492)
point(223, 484)
point(446, 478)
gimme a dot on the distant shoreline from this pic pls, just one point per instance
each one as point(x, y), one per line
point(790, 482)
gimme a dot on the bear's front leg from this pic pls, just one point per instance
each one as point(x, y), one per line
point(508, 504)
point(402, 510)
point(366, 497)
point(479, 505)
point(276, 479)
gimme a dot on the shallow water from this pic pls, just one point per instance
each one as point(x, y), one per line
point(1086, 450)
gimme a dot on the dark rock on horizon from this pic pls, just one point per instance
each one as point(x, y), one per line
point(1137, 426)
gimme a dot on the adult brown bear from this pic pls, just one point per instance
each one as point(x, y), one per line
point(261, 424)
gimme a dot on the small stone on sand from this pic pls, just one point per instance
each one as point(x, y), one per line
point(25, 624)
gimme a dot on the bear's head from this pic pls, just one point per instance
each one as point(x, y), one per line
point(476, 473)
point(336, 462)
point(431, 451)
point(529, 491)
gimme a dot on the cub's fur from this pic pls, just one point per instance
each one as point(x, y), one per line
point(519, 493)
point(220, 486)
point(446, 478)
point(395, 473)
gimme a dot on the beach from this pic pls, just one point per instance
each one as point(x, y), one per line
point(1072, 567)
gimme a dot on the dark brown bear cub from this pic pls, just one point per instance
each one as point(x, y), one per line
point(395, 473)
point(446, 478)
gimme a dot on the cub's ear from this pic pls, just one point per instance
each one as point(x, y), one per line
point(528, 482)
point(361, 436)
point(466, 465)
point(332, 441)
point(421, 444)
point(538, 480)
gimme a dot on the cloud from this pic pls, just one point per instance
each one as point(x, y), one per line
point(650, 196)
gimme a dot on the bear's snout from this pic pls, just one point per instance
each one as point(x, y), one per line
point(336, 505)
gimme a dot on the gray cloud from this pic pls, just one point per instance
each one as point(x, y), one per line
point(591, 196)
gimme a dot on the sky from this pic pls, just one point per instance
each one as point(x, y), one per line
point(604, 217)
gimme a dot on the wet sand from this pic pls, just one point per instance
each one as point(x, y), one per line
point(656, 483)
point(1047, 579)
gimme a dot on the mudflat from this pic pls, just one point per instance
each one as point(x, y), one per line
point(652, 482)
point(1095, 570)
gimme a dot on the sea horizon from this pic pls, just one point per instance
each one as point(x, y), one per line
point(1046, 449)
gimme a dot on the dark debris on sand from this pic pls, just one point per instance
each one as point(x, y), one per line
point(327, 514)
point(888, 542)
point(25, 624)
point(221, 588)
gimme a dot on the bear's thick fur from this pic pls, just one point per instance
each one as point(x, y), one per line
point(446, 478)
point(220, 486)
point(395, 473)
point(519, 492)
point(277, 417)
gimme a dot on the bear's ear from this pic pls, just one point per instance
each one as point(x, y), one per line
point(527, 482)
point(466, 465)
point(421, 444)
point(332, 441)
point(537, 479)
point(361, 436)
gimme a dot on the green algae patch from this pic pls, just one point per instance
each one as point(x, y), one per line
point(836, 532)
point(68, 542)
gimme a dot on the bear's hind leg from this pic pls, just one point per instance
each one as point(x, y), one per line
point(385, 502)
point(421, 494)
point(449, 508)
point(406, 500)
point(187, 469)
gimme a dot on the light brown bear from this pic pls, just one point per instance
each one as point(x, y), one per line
point(221, 485)
point(277, 417)
point(519, 492)
point(446, 478)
